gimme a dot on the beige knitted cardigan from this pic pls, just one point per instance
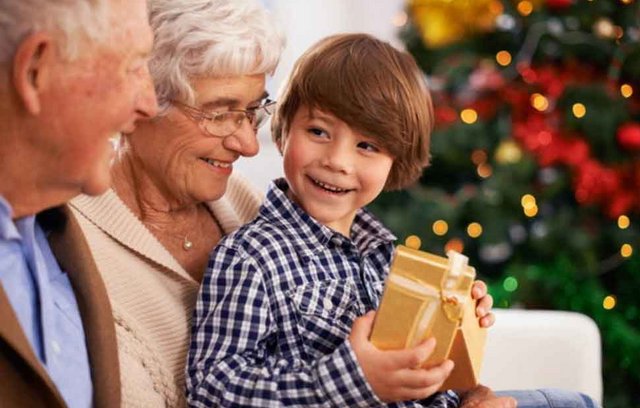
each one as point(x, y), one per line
point(152, 296)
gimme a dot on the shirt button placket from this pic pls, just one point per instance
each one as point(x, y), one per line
point(55, 346)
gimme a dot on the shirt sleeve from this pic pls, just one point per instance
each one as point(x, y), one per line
point(234, 358)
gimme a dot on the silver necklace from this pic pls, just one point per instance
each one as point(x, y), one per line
point(187, 244)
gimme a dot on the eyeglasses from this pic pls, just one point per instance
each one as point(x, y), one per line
point(223, 124)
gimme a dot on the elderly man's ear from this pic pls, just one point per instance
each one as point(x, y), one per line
point(31, 69)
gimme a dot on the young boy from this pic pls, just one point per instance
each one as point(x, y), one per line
point(276, 323)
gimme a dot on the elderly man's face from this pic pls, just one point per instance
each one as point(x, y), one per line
point(97, 96)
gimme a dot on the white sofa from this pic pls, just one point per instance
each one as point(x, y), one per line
point(543, 349)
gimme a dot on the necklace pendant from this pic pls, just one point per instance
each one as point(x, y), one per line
point(186, 244)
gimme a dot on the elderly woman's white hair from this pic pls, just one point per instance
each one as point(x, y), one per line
point(209, 38)
point(74, 20)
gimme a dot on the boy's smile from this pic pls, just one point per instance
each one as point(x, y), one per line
point(330, 188)
point(332, 169)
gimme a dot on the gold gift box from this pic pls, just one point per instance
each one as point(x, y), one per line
point(428, 295)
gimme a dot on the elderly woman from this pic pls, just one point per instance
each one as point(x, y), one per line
point(152, 232)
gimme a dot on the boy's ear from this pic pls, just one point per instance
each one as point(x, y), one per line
point(280, 147)
point(282, 140)
point(31, 65)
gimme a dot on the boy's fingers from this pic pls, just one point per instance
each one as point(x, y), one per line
point(361, 327)
point(423, 351)
point(488, 320)
point(484, 305)
point(479, 289)
point(423, 378)
point(413, 357)
point(433, 378)
point(439, 373)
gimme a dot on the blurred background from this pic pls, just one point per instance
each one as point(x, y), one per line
point(536, 154)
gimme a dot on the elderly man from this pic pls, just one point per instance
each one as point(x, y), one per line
point(73, 74)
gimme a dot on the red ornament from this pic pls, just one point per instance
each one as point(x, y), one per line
point(445, 115)
point(485, 107)
point(559, 4)
point(595, 183)
point(629, 136)
point(551, 81)
point(575, 151)
point(620, 203)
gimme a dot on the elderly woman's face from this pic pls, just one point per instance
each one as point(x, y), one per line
point(191, 165)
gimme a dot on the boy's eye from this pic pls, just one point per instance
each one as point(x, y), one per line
point(317, 132)
point(368, 146)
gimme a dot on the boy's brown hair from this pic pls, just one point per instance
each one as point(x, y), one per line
point(374, 88)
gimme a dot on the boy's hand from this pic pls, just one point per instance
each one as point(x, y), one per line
point(395, 375)
point(483, 397)
point(484, 304)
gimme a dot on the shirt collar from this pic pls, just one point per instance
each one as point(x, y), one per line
point(308, 235)
point(8, 228)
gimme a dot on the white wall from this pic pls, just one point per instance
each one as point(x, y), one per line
point(305, 22)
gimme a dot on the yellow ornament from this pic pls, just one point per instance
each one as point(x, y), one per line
point(508, 152)
point(444, 22)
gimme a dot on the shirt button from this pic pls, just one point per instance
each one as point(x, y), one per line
point(55, 347)
point(328, 304)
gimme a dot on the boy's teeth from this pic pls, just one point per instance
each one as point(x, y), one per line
point(329, 187)
point(217, 163)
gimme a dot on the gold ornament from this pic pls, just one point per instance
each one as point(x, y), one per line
point(444, 22)
point(508, 152)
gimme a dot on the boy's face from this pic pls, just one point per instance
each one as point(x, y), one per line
point(332, 169)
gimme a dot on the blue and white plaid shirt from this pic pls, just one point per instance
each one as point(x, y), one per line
point(276, 307)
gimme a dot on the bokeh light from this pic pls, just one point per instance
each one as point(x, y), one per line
point(469, 116)
point(623, 222)
point(510, 284)
point(609, 302)
point(474, 230)
point(440, 227)
point(539, 102)
point(579, 110)
point(626, 90)
point(454, 244)
point(503, 58)
point(525, 8)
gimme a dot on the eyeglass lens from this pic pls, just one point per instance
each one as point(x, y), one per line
point(226, 123)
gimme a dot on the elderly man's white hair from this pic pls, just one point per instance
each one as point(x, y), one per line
point(73, 20)
point(209, 38)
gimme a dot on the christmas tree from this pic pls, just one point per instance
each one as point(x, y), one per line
point(535, 169)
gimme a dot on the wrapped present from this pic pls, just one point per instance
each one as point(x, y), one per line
point(428, 295)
